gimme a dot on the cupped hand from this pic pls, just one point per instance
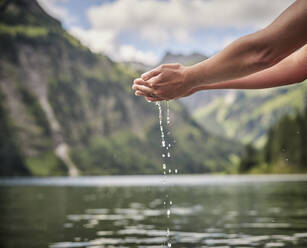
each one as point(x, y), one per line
point(165, 82)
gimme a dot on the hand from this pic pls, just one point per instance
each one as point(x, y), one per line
point(165, 82)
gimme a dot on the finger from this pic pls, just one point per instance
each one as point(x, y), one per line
point(155, 81)
point(153, 99)
point(149, 98)
point(146, 90)
point(140, 81)
point(150, 74)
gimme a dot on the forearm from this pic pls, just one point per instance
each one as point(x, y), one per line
point(239, 59)
point(290, 70)
point(254, 52)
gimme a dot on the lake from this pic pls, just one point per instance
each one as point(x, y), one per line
point(129, 211)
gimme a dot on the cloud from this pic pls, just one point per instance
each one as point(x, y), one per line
point(53, 8)
point(56, 10)
point(130, 53)
point(134, 29)
point(106, 41)
point(176, 17)
point(98, 40)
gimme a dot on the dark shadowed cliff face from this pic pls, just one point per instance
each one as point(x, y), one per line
point(73, 112)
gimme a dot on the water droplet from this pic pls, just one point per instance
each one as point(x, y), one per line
point(164, 166)
point(164, 203)
point(169, 244)
point(287, 159)
point(170, 203)
point(163, 143)
point(167, 232)
point(168, 213)
point(176, 171)
point(163, 155)
point(168, 154)
point(169, 145)
point(169, 171)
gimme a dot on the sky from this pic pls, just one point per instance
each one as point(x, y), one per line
point(143, 30)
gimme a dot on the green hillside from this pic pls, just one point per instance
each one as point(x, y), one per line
point(247, 115)
point(69, 111)
point(284, 150)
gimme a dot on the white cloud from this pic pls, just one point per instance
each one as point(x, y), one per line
point(52, 8)
point(178, 16)
point(106, 41)
point(98, 40)
point(130, 53)
point(167, 24)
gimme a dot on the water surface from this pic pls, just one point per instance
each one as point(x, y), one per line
point(208, 211)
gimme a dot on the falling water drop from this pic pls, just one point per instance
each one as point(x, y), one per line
point(176, 171)
point(167, 113)
point(168, 213)
point(164, 166)
point(168, 155)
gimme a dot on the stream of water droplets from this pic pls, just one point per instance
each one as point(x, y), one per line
point(166, 155)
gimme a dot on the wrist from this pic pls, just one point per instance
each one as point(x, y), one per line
point(188, 77)
point(192, 77)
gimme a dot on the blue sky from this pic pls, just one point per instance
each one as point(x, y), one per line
point(143, 30)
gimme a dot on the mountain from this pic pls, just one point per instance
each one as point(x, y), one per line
point(139, 67)
point(185, 59)
point(247, 115)
point(68, 111)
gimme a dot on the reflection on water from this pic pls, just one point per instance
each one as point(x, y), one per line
point(239, 212)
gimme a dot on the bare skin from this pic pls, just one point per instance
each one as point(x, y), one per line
point(268, 58)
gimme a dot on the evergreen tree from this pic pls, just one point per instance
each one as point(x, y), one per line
point(249, 160)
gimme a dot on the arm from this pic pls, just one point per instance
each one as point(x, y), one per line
point(245, 56)
point(257, 51)
point(289, 71)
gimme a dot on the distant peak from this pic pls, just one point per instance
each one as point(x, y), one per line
point(186, 59)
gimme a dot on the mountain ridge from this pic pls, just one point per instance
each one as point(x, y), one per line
point(74, 112)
